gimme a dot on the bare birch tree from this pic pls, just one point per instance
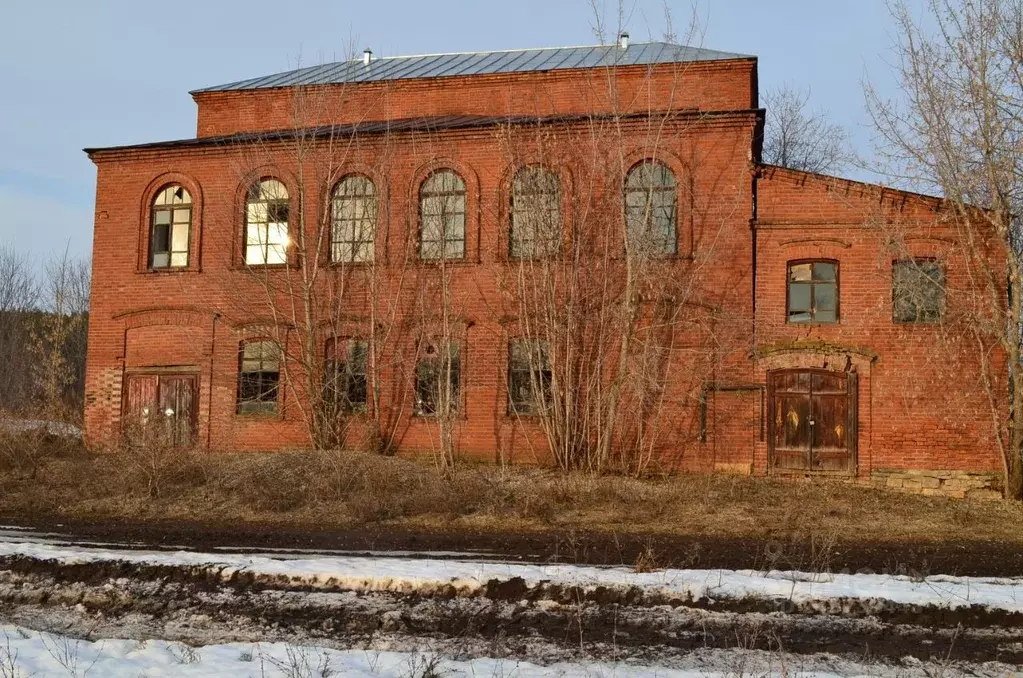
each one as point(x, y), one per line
point(957, 131)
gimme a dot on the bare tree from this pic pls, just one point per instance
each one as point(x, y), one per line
point(798, 137)
point(316, 278)
point(57, 347)
point(614, 324)
point(957, 131)
point(18, 292)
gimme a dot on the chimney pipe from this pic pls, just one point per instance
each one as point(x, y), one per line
point(367, 56)
point(623, 40)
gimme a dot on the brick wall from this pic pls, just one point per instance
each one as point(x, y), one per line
point(919, 406)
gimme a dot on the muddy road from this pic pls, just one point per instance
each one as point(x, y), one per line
point(786, 551)
point(544, 625)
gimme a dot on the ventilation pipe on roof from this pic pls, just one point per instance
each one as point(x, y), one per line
point(623, 40)
point(367, 56)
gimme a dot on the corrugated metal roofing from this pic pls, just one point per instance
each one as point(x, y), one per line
point(478, 63)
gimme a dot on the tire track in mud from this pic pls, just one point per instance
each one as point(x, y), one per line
point(630, 620)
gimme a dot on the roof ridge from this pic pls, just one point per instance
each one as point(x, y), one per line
point(519, 49)
point(419, 66)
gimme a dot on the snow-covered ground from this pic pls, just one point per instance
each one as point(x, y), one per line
point(467, 578)
point(25, 653)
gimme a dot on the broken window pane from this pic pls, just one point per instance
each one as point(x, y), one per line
point(170, 226)
point(813, 292)
point(266, 224)
point(918, 291)
point(438, 378)
point(258, 377)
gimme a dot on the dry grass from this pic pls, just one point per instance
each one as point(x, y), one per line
point(352, 489)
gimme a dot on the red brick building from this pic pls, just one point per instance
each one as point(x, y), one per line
point(504, 254)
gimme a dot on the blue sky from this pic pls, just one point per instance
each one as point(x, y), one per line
point(107, 72)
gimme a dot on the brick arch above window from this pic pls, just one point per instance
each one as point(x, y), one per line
point(472, 205)
point(146, 214)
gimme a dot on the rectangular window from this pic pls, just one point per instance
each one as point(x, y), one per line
point(259, 378)
point(529, 376)
point(813, 292)
point(438, 376)
point(918, 291)
point(345, 380)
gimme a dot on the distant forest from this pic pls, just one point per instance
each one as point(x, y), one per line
point(44, 318)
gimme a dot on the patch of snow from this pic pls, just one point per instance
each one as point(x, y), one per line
point(29, 653)
point(468, 577)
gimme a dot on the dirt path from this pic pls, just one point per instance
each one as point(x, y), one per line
point(978, 558)
point(195, 606)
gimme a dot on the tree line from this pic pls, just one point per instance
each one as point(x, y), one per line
point(44, 317)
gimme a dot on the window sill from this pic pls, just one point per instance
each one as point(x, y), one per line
point(814, 323)
point(170, 270)
point(259, 416)
point(918, 323)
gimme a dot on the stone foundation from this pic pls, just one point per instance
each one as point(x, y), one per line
point(960, 484)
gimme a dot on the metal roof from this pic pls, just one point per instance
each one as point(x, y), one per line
point(479, 63)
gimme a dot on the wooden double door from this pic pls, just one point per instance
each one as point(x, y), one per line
point(167, 403)
point(812, 420)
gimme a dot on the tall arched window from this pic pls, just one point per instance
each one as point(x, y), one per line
point(535, 213)
point(171, 225)
point(354, 219)
point(651, 208)
point(266, 223)
point(442, 210)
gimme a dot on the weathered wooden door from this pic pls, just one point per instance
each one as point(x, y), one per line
point(164, 401)
point(812, 420)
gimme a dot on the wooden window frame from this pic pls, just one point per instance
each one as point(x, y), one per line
point(648, 219)
point(532, 408)
point(788, 291)
point(463, 193)
point(171, 209)
point(337, 221)
point(239, 401)
point(247, 224)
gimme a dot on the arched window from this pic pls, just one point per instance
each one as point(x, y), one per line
point(442, 210)
point(171, 226)
point(266, 223)
point(535, 213)
point(354, 218)
point(651, 208)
